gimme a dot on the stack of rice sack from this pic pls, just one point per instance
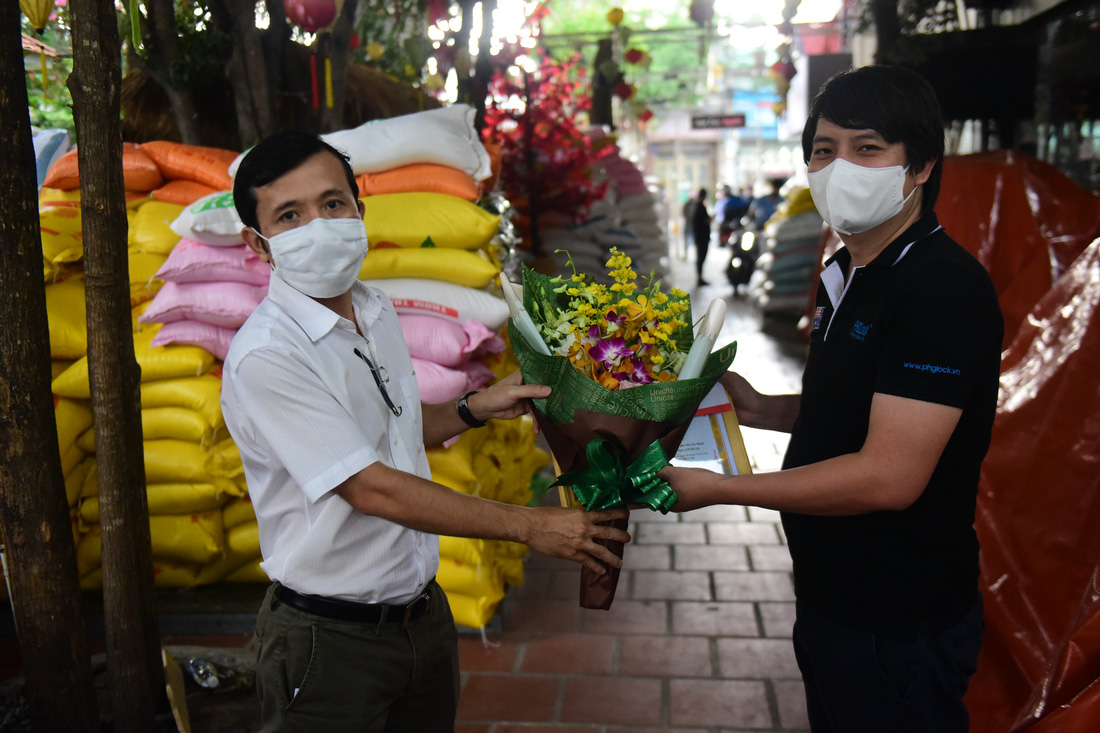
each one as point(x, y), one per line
point(625, 218)
point(433, 251)
point(192, 468)
point(784, 273)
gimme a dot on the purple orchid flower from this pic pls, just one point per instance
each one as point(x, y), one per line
point(610, 350)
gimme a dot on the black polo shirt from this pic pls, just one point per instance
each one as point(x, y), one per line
point(920, 321)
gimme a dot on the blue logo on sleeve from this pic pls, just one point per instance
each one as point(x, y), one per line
point(859, 330)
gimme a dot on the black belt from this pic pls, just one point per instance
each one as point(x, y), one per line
point(364, 613)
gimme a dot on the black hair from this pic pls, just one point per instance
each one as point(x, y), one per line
point(895, 102)
point(273, 158)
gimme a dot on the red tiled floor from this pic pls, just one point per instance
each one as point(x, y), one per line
point(712, 557)
point(671, 584)
point(714, 619)
point(498, 655)
point(507, 728)
point(757, 658)
point(620, 700)
point(661, 656)
point(571, 654)
point(540, 616)
point(754, 586)
point(471, 728)
point(628, 617)
point(489, 697)
point(667, 533)
point(719, 703)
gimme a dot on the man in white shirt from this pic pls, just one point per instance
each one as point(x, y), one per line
point(320, 396)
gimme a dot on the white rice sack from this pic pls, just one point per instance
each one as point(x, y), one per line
point(444, 136)
point(49, 145)
point(211, 220)
point(457, 303)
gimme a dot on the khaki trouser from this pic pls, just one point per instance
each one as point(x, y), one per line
point(316, 675)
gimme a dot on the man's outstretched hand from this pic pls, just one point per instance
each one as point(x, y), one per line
point(571, 533)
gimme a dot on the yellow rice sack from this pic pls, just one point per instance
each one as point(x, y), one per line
point(156, 363)
point(249, 573)
point(225, 459)
point(74, 481)
point(62, 240)
point(471, 612)
point(466, 550)
point(470, 579)
point(150, 231)
point(451, 265)
point(173, 499)
point(201, 394)
point(191, 538)
point(70, 459)
point(68, 318)
point(73, 418)
point(238, 511)
point(427, 219)
point(175, 461)
point(143, 269)
point(164, 423)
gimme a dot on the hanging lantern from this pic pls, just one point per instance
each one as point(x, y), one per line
point(310, 15)
point(624, 90)
point(38, 12)
point(615, 16)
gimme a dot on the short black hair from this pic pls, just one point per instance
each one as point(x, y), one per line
point(273, 158)
point(895, 102)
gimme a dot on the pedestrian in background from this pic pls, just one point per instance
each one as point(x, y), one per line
point(700, 233)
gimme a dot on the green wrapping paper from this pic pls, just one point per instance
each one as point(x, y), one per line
point(630, 428)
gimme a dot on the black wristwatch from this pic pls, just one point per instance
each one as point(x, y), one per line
point(464, 411)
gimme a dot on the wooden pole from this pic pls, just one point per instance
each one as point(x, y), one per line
point(35, 525)
point(134, 669)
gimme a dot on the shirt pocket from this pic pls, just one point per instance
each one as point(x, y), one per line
point(413, 427)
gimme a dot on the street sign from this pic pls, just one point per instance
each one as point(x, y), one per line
point(717, 122)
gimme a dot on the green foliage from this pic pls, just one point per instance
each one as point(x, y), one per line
point(398, 27)
point(52, 106)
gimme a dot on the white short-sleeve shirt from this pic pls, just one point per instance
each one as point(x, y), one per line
point(306, 414)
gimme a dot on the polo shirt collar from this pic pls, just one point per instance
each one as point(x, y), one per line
point(897, 249)
point(317, 320)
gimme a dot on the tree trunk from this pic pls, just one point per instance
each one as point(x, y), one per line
point(34, 518)
point(483, 69)
point(884, 13)
point(161, 40)
point(253, 76)
point(336, 50)
point(134, 669)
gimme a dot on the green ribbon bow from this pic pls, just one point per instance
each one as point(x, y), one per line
point(605, 483)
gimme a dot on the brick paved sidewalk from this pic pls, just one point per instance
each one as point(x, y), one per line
point(698, 638)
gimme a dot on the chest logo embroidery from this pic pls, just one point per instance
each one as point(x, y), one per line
point(818, 313)
point(860, 330)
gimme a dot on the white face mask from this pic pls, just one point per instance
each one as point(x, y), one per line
point(852, 199)
point(322, 258)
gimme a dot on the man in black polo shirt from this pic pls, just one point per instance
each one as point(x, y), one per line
point(887, 438)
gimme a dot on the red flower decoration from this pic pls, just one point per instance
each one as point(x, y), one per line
point(634, 55)
point(646, 115)
point(624, 90)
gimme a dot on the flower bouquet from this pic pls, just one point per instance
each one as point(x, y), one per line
point(614, 355)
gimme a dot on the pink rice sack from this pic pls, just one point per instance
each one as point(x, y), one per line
point(225, 304)
point(439, 384)
point(192, 261)
point(215, 339)
point(447, 343)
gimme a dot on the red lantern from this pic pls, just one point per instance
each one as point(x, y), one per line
point(310, 15)
point(646, 115)
point(634, 55)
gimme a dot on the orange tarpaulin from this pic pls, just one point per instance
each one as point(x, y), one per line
point(1022, 218)
point(1038, 520)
